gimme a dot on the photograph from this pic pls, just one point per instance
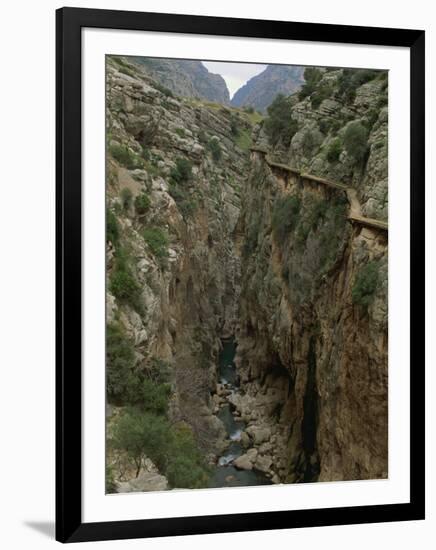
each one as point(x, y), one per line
point(246, 274)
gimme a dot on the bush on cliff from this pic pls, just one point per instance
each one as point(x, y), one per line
point(322, 92)
point(120, 356)
point(126, 198)
point(334, 151)
point(157, 241)
point(279, 125)
point(125, 156)
point(285, 216)
point(312, 76)
point(356, 140)
point(186, 468)
point(215, 148)
point(182, 172)
point(351, 79)
point(365, 284)
point(142, 204)
point(122, 282)
point(141, 435)
point(112, 228)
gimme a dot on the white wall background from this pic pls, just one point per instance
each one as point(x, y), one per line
point(27, 274)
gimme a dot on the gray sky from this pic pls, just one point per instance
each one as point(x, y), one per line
point(235, 74)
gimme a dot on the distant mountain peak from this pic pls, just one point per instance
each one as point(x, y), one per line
point(186, 78)
point(260, 91)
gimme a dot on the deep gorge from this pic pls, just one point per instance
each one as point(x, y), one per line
point(214, 239)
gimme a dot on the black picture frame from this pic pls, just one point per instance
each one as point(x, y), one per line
point(69, 525)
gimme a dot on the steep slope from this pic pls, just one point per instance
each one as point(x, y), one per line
point(174, 174)
point(186, 78)
point(312, 339)
point(260, 90)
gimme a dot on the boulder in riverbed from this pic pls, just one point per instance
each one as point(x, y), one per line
point(263, 463)
point(245, 462)
point(259, 434)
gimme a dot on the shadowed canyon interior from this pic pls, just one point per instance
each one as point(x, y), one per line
point(247, 276)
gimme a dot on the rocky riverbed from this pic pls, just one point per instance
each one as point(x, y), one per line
point(245, 461)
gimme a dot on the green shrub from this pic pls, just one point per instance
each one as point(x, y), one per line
point(180, 132)
point(322, 92)
point(182, 172)
point(127, 71)
point(152, 396)
point(371, 118)
point(184, 200)
point(334, 151)
point(215, 148)
point(249, 109)
point(186, 468)
point(126, 198)
point(279, 125)
point(332, 235)
point(172, 449)
point(111, 486)
point(157, 241)
point(234, 127)
point(285, 216)
point(122, 282)
point(163, 89)
point(125, 156)
point(351, 79)
point(120, 360)
point(142, 204)
point(312, 76)
point(314, 215)
point(145, 153)
point(141, 435)
point(317, 213)
point(158, 370)
point(356, 140)
point(365, 284)
point(112, 228)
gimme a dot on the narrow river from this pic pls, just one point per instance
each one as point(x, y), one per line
point(225, 474)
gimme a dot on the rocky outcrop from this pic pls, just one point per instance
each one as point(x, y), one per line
point(319, 144)
point(260, 90)
point(186, 78)
point(145, 482)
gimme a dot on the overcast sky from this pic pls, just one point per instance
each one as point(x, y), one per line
point(235, 74)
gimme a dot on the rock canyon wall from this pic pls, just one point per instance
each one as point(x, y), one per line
point(212, 232)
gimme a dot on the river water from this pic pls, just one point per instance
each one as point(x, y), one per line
point(225, 474)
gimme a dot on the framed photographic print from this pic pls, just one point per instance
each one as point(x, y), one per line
point(240, 274)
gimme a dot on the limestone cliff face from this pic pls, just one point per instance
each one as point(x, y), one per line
point(172, 208)
point(312, 360)
point(313, 336)
point(186, 78)
point(260, 90)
